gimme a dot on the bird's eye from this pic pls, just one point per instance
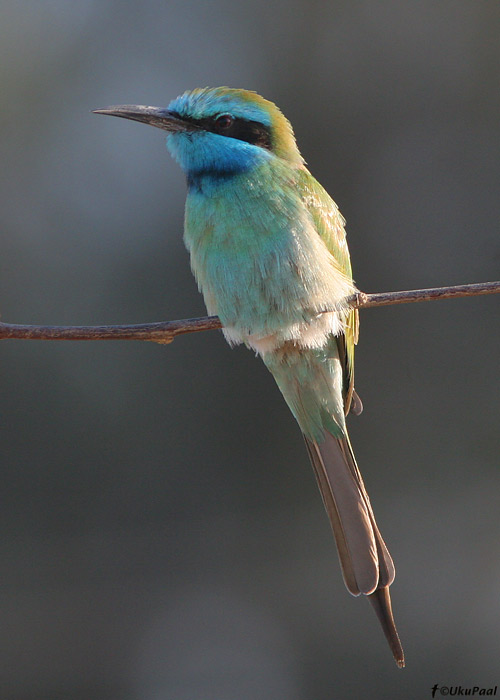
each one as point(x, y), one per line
point(224, 121)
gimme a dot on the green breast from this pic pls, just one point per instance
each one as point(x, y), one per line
point(255, 251)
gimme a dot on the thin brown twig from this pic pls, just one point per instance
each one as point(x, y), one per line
point(165, 331)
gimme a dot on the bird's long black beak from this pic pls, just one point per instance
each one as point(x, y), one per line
point(155, 116)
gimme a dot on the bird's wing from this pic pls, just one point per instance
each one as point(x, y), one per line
point(330, 225)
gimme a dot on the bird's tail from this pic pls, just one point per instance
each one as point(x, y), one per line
point(366, 564)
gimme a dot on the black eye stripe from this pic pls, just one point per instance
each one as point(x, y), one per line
point(242, 129)
point(249, 131)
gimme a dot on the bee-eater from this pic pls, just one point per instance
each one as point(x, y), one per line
point(269, 252)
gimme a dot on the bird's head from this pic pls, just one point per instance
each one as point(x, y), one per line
point(219, 130)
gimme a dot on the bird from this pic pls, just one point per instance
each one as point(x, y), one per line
point(268, 249)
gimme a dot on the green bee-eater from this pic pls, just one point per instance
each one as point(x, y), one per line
point(269, 252)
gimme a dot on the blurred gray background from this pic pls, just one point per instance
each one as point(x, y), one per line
point(162, 536)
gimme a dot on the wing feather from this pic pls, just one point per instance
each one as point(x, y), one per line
point(330, 225)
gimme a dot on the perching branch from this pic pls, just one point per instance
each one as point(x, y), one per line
point(165, 331)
